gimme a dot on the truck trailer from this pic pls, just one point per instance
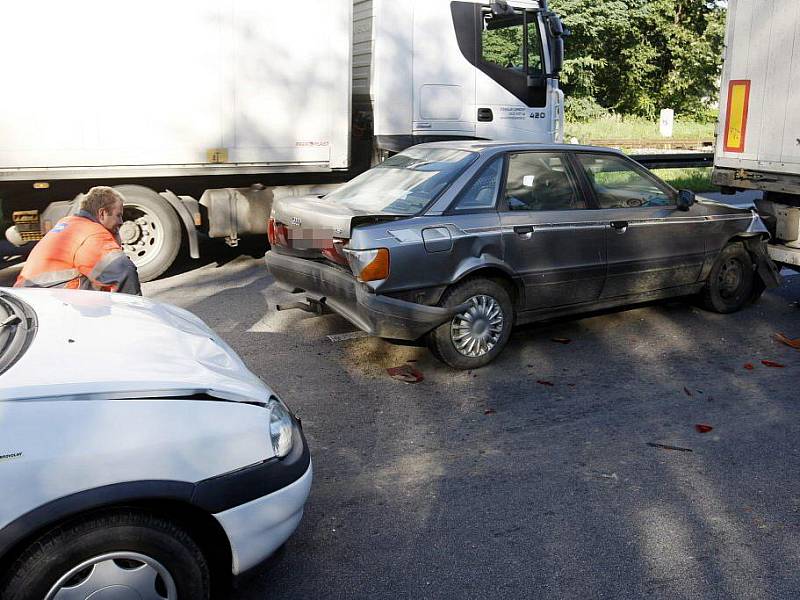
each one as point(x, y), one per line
point(201, 113)
point(758, 133)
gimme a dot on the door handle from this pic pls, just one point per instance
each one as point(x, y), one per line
point(485, 115)
point(620, 226)
point(524, 230)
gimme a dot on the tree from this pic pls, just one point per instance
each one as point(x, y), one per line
point(638, 56)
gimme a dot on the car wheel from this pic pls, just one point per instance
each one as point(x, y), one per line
point(732, 281)
point(126, 554)
point(476, 335)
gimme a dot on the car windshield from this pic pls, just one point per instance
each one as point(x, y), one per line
point(405, 183)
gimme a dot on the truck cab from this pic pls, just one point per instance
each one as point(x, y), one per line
point(462, 69)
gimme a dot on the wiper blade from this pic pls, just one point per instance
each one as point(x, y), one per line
point(9, 321)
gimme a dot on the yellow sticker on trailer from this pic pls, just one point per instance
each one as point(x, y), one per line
point(736, 119)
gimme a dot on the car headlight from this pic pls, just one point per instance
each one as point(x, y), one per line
point(280, 427)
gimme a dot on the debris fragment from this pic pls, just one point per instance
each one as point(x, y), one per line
point(560, 340)
point(788, 341)
point(702, 428)
point(343, 337)
point(773, 364)
point(687, 391)
point(545, 382)
point(667, 447)
point(748, 366)
point(490, 411)
point(405, 373)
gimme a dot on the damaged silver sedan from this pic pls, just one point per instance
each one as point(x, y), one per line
point(453, 243)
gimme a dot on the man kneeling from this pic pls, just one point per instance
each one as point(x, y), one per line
point(83, 251)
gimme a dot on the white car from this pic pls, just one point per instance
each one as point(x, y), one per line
point(139, 457)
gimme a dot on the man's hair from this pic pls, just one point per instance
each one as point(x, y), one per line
point(99, 197)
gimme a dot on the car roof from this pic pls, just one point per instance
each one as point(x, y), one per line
point(484, 145)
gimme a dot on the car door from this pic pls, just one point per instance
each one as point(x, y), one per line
point(651, 244)
point(550, 237)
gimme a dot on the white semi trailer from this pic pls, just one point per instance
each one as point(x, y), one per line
point(202, 112)
point(758, 135)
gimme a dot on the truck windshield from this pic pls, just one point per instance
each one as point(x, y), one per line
point(405, 183)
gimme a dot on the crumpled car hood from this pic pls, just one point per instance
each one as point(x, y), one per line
point(101, 345)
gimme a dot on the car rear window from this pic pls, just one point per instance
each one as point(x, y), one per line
point(405, 183)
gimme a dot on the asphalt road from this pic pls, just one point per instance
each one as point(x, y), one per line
point(532, 477)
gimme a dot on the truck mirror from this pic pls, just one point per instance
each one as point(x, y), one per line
point(556, 55)
point(557, 33)
point(685, 199)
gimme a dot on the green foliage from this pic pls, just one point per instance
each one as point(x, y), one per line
point(697, 180)
point(616, 127)
point(639, 56)
point(582, 110)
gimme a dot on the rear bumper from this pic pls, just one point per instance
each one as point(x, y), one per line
point(376, 314)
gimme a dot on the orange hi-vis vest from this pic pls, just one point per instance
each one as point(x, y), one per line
point(78, 253)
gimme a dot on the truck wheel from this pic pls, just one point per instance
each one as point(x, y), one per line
point(126, 554)
point(475, 336)
point(731, 284)
point(150, 232)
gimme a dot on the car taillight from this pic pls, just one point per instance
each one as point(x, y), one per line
point(277, 233)
point(335, 251)
point(369, 265)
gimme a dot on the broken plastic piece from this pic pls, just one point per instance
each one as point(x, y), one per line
point(701, 428)
point(788, 341)
point(667, 447)
point(748, 366)
point(405, 373)
point(773, 364)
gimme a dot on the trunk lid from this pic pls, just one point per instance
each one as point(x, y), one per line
point(314, 227)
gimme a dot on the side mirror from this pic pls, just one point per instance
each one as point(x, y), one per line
point(685, 199)
point(556, 34)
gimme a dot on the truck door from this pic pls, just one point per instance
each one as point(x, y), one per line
point(505, 46)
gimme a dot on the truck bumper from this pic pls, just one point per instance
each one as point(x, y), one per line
point(785, 255)
point(376, 314)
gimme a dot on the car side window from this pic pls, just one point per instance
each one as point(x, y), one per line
point(541, 181)
point(620, 184)
point(482, 192)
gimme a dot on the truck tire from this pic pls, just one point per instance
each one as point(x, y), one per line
point(150, 232)
point(731, 284)
point(457, 342)
point(129, 551)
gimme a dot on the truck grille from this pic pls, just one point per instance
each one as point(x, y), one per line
point(27, 224)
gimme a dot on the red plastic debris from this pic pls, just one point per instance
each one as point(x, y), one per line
point(772, 364)
point(748, 366)
point(788, 341)
point(544, 382)
point(701, 428)
point(405, 373)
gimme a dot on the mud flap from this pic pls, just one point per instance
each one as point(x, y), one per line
point(766, 269)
